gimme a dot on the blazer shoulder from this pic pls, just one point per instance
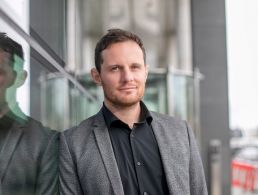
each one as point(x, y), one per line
point(166, 119)
point(172, 126)
point(84, 125)
point(77, 139)
point(81, 132)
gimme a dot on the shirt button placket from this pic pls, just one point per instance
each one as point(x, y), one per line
point(132, 133)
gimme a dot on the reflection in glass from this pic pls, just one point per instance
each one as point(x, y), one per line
point(28, 151)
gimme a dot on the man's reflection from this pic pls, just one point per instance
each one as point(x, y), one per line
point(28, 151)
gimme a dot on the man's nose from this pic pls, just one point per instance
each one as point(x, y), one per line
point(127, 76)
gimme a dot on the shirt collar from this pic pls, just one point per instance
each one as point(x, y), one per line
point(110, 118)
point(145, 113)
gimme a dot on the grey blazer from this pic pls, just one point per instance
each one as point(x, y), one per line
point(88, 165)
point(29, 160)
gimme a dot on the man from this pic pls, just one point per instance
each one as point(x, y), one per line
point(125, 148)
point(28, 151)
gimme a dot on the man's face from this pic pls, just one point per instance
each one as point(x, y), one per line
point(7, 74)
point(123, 74)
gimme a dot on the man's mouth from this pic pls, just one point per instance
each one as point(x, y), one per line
point(127, 88)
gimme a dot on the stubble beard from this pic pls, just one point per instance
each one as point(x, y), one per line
point(121, 102)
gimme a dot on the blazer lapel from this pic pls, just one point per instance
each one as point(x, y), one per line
point(173, 145)
point(107, 153)
point(165, 154)
point(8, 148)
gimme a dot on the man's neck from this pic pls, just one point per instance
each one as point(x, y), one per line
point(127, 114)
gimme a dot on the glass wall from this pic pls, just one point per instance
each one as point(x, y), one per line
point(58, 38)
point(28, 147)
point(32, 48)
point(55, 91)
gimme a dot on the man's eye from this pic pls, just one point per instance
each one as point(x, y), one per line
point(115, 68)
point(135, 67)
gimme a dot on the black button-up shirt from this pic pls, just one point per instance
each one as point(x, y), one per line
point(137, 155)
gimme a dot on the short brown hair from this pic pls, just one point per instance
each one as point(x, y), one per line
point(10, 46)
point(115, 36)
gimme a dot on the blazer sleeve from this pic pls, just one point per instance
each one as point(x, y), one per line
point(196, 173)
point(69, 180)
point(47, 181)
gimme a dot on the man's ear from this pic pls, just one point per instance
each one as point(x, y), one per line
point(96, 76)
point(20, 78)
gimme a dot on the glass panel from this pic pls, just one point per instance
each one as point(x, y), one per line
point(183, 97)
point(64, 104)
point(54, 98)
point(28, 148)
point(155, 94)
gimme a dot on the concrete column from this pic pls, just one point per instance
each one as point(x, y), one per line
point(210, 56)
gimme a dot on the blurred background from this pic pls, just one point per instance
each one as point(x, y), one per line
point(203, 68)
